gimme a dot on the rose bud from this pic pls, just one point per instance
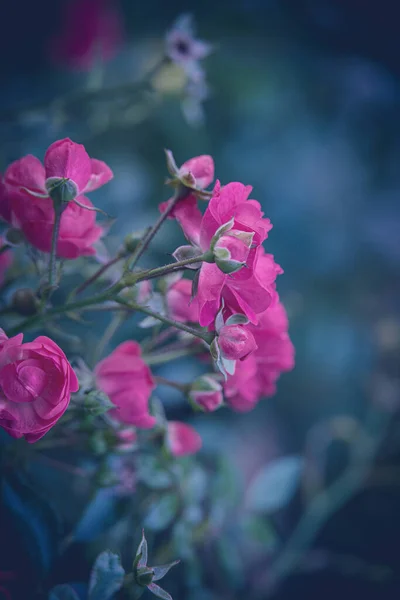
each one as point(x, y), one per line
point(206, 393)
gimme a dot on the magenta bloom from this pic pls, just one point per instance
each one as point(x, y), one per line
point(236, 342)
point(255, 377)
point(5, 261)
point(243, 291)
point(182, 439)
point(36, 381)
point(180, 305)
point(91, 31)
point(127, 380)
point(25, 201)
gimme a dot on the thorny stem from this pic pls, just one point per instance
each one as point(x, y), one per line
point(204, 335)
point(163, 357)
point(134, 278)
point(179, 195)
point(58, 210)
point(97, 274)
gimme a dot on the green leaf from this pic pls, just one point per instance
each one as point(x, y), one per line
point(63, 592)
point(162, 570)
point(275, 484)
point(260, 530)
point(107, 576)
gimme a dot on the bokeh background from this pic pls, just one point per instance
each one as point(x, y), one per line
point(304, 105)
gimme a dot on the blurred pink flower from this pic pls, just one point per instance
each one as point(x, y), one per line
point(180, 305)
point(92, 30)
point(182, 439)
point(36, 381)
point(127, 380)
point(206, 393)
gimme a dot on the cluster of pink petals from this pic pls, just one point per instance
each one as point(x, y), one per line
point(36, 381)
point(91, 31)
point(255, 377)
point(256, 348)
point(5, 261)
point(127, 381)
point(25, 203)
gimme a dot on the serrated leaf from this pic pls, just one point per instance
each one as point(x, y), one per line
point(107, 576)
point(159, 592)
point(63, 592)
point(275, 484)
point(161, 512)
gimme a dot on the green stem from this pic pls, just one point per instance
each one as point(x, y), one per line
point(58, 210)
point(96, 275)
point(182, 387)
point(161, 358)
point(59, 310)
point(133, 278)
point(203, 335)
point(179, 195)
point(108, 334)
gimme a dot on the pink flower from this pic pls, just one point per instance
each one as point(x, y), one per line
point(196, 173)
point(181, 306)
point(27, 205)
point(206, 393)
point(236, 342)
point(127, 380)
point(92, 31)
point(5, 261)
point(184, 50)
point(36, 381)
point(257, 374)
point(182, 439)
point(244, 291)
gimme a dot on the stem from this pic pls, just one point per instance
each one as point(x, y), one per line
point(58, 209)
point(180, 195)
point(161, 271)
point(59, 310)
point(204, 335)
point(164, 357)
point(96, 275)
point(110, 330)
point(182, 387)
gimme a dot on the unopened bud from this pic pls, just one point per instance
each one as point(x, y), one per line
point(206, 393)
point(25, 302)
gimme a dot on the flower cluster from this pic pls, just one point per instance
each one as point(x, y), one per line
point(230, 307)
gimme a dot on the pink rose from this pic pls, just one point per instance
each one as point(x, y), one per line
point(127, 380)
point(5, 261)
point(181, 306)
point(36, 381)
point(91, 31)
point(182, 439)
point(242, 291)
point(236, 342)
point(26, 203)
point(257, 374)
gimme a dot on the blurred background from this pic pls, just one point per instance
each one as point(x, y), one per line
point(303, 103)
